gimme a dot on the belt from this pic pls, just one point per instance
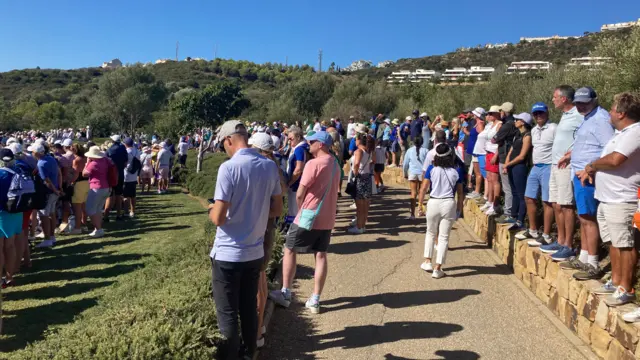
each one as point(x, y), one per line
point(443, 198)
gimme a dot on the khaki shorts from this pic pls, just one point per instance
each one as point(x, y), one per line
point(616, 224)
point(163, 172)
point(561, 186)
point(80, 192)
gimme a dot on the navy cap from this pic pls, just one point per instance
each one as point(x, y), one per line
point(321, 136)
point(539, 107)
point(6, 155)
point(128, 141)
point(585, 95)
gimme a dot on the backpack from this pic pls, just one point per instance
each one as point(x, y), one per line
point(112, 174)
point(134, 166)
point(20, 193)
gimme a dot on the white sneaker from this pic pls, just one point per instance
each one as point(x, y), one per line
point(353, 222)
point(45, 244)
point(437, 274)
point(132, 214)
point(278, 297)
point(485, 207)
point(353, 206)
point(490, 212)
point(40, 235)
point(97, 233)
point(355, 230)
point(260, 343)
point(633, 316)
point(473, 195)
point(426, 266)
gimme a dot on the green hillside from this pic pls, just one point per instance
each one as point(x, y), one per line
point(558, 52)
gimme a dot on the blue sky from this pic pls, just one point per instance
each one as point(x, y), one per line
point(80, 33)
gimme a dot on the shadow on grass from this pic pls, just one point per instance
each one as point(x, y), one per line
point(28, 324)
point(49, 292)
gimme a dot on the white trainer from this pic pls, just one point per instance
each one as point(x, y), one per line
point(426, 266)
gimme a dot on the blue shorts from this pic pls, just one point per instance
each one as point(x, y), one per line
point(538, 182)
point(482, 162)
point(586, 202)
point(10, 224)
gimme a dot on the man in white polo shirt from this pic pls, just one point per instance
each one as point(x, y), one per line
point(542, 136)
point(617, 178)
point(247, 193)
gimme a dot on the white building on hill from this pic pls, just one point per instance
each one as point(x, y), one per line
point(359, 65)
point(523, 67)
point(407, 76)
point(113, 64)
point(554, 37)
point(454, 74)
point(618, 26)
point(384, 64)
point(480, 72)
point(588, 62)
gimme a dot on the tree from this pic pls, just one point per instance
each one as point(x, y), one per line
point(209, 108)
point(332, 67)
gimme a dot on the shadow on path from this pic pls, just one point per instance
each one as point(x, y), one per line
point(498, 269)
point(398, 300)
point(356, 247)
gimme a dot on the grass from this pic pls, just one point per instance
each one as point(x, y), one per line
point(142, 291)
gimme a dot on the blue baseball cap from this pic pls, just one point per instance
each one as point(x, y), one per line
point(539, 106)
point(321, 136)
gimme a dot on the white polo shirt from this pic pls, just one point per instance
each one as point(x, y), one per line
point(621, 185)
point(542, 141)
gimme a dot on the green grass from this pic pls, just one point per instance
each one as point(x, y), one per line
point(143, 291)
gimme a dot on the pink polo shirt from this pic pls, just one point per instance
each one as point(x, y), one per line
point(316, 176)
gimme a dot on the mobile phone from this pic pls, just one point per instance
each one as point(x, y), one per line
point(211, 201)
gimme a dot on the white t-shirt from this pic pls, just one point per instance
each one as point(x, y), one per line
point(443, 181)
point(490, 131)
point(276, 141)
point(317, 127)
point(478, 148)
point(621, 185)
point(131, 153)
point(351, 130)
point(183, 147)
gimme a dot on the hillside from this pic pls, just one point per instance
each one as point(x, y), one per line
point(558, 52)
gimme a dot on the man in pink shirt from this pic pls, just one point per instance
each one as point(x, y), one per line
point(319, 185)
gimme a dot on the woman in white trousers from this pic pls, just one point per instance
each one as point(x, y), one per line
point(444, 179)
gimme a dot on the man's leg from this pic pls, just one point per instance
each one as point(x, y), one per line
point(590, 231)
point(628, 260)
point(288, 267)
point(548, 217)
point(249, 304)
point(508, 193)
point(226, 284)
point(320, 275)
point(569, 224)
point(531, 213)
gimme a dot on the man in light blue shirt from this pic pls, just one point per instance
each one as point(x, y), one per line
point(247, 193)
point(591, 138)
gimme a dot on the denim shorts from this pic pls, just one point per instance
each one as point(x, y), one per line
point(538, 182)
point(482, 161)
point(586, 202)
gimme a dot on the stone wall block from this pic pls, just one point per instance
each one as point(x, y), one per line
point(584, 329)
point(618, 352)
point(575, 287)
point(626, 334)
point(600, 340)
point(562, 284)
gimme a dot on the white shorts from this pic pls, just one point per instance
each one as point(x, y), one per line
point(616, 224)
point(474, 159)
point(561, 186)
point(52, 200)
point(413, 177)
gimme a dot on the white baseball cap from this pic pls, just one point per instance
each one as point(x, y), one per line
point(408, 118)
point(262, 141)
point(11, 140)
point(57, 142)
point(423, 114)
point(67, 142)
point(38, 148)
point(115, 138)
point(15, 147)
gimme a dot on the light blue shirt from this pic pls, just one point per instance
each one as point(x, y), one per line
point(247, 181)
point(591, 138)
point(412, 165)
point(426, 136)
point(386, 133)
point(565, 134)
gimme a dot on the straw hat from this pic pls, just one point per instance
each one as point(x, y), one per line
point(94, 153)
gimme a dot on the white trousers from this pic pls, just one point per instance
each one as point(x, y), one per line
point(441, 214)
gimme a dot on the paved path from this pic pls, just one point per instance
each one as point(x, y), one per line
point(379, 304)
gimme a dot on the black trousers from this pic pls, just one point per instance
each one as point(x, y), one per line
point(235, 289)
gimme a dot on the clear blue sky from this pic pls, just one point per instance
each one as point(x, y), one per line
point(80, 33)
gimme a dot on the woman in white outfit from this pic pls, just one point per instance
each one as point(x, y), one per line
point(444, 179)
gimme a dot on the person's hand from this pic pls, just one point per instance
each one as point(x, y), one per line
point(590, 170)
point(584, 177)
point(564, 161)
point(494, 159)
point(504, 169)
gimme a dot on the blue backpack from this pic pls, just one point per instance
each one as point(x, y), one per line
point(21, 191)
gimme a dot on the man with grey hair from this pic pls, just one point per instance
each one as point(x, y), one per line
point(298, 156)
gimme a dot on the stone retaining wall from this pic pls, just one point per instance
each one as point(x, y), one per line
point(583, 312)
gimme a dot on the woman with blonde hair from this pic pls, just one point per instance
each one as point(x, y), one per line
point(80, 190)
point(337, 150)
point(492, 191)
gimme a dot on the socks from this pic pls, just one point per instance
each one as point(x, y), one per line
point(533, 233)
point(286, 292)
point(583, 256)
point(315, 298)
point(546, 237)
point(593, 260)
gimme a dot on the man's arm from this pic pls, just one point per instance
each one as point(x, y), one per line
point(302, 192)
point(608, 162)
point(218, 212)
point(503, 133)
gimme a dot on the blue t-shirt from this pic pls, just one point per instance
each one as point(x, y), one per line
point(118, 154)
point(386, 133)
point(416, 128)
point(352, 145)
point(471, 142)
point(247, 182)
point(5, 182)
point(299, 153)
point(394, 134)
point(404, 133)
point(48, 169)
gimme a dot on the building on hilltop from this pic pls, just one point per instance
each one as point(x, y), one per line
point(454, 74)
point(359, 65)
point(480, 72)
point(384, 64)
point(554, 37)
point(618, 26)
point(523, 67)
point(496, 46)
point(588, 62)
point(407, 76)
point(473, 73)
point(113, 64)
